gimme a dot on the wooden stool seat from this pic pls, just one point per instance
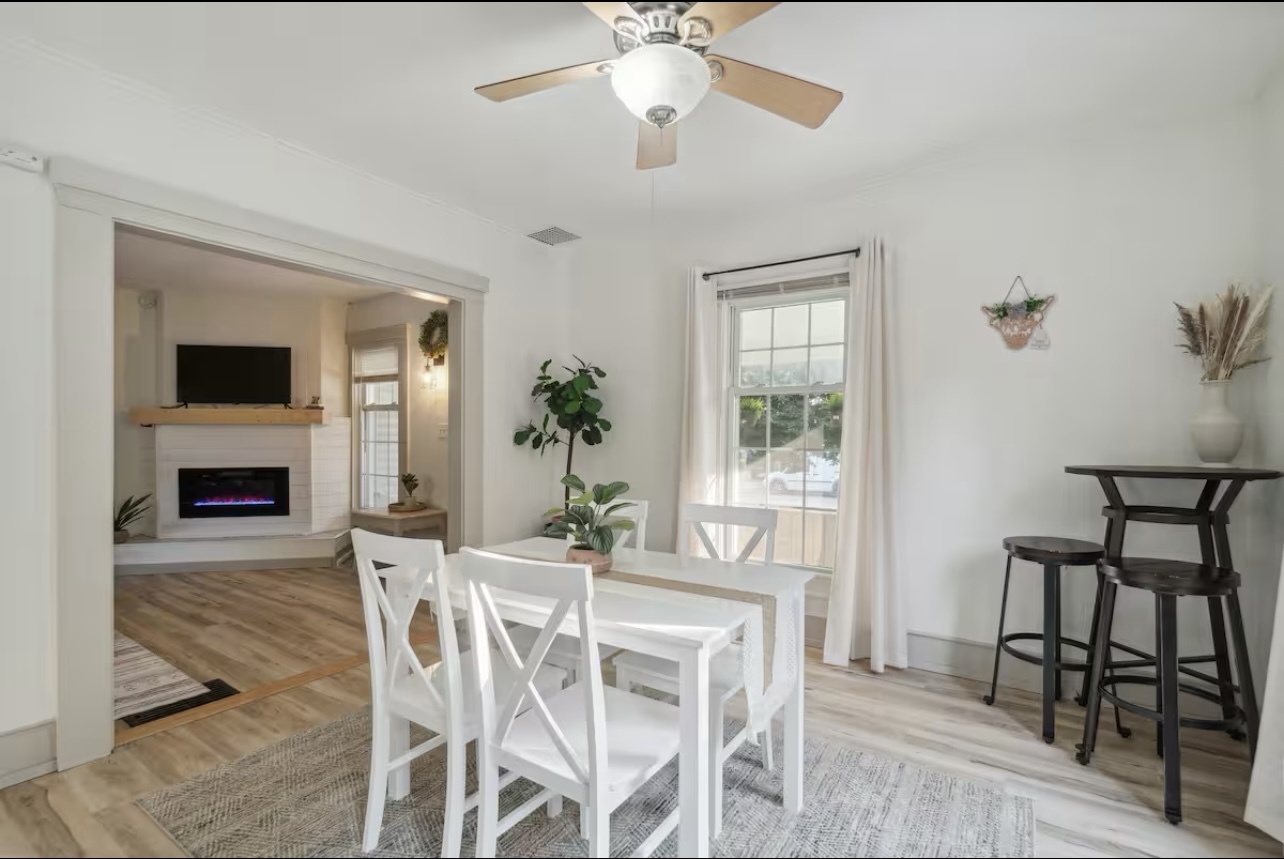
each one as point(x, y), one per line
point(1062, 551)
point(1179, 578)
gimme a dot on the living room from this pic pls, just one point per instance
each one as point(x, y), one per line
point(236, 452)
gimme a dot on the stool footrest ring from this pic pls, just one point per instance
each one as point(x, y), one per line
point(1108, 695)
point(1076, 665)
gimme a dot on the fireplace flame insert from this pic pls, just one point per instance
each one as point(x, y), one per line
point(215, 493)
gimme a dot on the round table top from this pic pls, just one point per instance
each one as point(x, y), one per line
point(1175, 472)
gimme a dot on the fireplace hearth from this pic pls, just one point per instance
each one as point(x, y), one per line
point(216, 493)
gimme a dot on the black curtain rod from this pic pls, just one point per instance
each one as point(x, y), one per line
point(710, 274)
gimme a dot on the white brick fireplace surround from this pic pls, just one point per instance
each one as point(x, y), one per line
point(320, 474)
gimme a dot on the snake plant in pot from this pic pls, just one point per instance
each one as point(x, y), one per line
point(587, 518)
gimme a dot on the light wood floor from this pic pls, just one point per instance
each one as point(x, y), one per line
point(1112, 808)
point(246, 628)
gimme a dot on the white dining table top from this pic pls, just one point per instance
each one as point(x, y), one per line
point(754, 578)
point(631, 616)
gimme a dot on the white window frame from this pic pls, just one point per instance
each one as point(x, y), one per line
point(734, 306)
point(398, 337)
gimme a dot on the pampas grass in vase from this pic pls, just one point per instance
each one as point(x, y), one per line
point(1226, 333)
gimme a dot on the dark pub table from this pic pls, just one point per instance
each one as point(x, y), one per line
point(1210, 515)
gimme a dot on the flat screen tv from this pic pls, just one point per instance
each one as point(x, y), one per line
point(234, 374)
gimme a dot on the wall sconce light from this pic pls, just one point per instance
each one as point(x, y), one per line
point(433, 376)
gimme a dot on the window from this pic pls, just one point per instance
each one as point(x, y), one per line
point(787, 361)
point(377, 376)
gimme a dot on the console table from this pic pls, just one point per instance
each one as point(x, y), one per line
point(397, 524)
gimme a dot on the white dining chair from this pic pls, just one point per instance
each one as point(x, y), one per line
point(441, 697)
point(593, 743)
point(565, 652)
point(726, 674)
point(696, 516)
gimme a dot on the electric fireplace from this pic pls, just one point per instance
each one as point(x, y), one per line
point(215, 493)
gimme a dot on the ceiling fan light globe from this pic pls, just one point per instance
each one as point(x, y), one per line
point(660, 83)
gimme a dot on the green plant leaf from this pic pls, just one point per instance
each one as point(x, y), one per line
point(613, 490)
point(604, 424)
point(580, 383)
point(599, 372)
point(521, 436)
point(584, 498)
point(615, 508)
point(537, 441)
point(598, 490)
point(601, 538)
point(543, 368)
point(595, 436)
point(571, 408)
point(587, 436)
point(592, 405)
point(622, 524)
point(574, 482)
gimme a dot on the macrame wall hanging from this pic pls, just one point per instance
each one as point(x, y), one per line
point(1021, 321)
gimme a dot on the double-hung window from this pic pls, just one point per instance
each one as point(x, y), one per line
point(377, 378)
point(786, 376)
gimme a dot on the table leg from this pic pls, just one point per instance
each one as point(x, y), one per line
point(399, 728)
point(1216, 613)
point(1049, 651)
point(693, 754)
point(793, 717)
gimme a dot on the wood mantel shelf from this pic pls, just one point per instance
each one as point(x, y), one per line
point(147, 416)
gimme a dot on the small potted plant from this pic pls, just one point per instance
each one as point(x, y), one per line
point(410, 483)
point(587, 519)
point(129, 512)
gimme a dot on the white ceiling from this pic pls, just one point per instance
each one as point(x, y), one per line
point(149, 262)
point(387, 87)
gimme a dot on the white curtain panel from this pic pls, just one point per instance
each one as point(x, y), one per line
point(1266, 791)
point(865, 618)
point(702, 405)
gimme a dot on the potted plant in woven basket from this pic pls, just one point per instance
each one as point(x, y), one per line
point(587, 519)
point(1226, 334)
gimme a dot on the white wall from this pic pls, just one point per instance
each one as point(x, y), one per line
point(26, 454)
point(136, 368)
point(1116, 225)
point(429, 410)
point(61, 106)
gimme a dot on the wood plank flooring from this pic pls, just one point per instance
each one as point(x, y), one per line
point(247, 628)
point(1112, 808)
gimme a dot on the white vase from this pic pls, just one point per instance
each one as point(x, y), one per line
point(1215, 430)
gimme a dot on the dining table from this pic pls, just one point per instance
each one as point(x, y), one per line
point(678, 607)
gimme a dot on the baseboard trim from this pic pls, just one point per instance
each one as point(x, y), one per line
point(955, 657)
point(26, 753)
point(219, 566)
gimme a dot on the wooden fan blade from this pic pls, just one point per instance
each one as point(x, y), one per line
point(608, 12)
point(795, 99)
point(504, 90)
point(724, 17)
point(657, 147)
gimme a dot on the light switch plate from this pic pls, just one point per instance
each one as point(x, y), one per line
point(442, 431)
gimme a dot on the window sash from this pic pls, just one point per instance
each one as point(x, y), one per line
point(758, 298)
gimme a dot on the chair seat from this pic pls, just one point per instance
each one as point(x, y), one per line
point(1178, 578)
point(425, 704)
point(564, 652)
point(726, 676)
point(642, 735)
point(1063, 551)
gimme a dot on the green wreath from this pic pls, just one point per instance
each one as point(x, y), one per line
point(433, 335)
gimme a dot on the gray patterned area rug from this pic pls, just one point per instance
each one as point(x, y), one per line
point(305, 796)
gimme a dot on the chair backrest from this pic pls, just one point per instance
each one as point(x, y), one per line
point(412, 565)
point(635, 514)
point(571, 586)
point(761, 519)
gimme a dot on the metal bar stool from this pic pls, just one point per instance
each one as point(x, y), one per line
point(1052, 553)
point(1168, 580)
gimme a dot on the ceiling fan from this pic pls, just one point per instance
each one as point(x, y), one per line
point(663, 72)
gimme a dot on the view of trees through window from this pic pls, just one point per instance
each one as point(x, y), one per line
point(788, 372)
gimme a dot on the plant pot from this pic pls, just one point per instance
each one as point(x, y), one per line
point(121, 536)
point(599, 562)
point(1215, 430)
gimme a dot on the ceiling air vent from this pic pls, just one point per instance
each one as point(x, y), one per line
point(554, 236)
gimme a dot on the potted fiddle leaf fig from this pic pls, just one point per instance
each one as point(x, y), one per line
point(574, 407)
point(587, 518)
